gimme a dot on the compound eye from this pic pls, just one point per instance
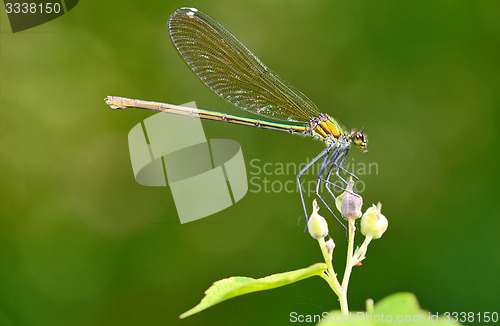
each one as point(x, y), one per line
point(358, 136)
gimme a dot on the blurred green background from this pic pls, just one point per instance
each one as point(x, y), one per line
point(81, 243)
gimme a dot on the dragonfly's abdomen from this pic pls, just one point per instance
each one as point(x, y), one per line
point(116, 102)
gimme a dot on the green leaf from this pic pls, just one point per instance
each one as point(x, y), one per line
point(387, 311)
point(235, 286)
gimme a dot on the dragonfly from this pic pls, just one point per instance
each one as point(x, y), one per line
point(234, 73)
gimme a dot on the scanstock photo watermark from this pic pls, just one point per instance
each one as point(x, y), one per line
point(415, 319)
point(361, 317)
point(265, 176)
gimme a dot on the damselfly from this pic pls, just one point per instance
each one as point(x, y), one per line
point(228, 68)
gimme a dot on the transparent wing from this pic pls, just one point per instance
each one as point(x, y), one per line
point(234, 73)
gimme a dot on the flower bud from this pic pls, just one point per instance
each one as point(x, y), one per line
point(317, 226)
point(373, 223)
point(350, 204)
point(330, 245)
point(338, 201)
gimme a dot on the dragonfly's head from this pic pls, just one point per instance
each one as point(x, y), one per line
point(359, 139)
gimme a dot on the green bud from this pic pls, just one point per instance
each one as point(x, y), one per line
point(350, 204)
point(317, 226)
point(373, 223)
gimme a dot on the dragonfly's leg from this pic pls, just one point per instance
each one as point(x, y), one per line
point(336, 159)
point(328, 182)
point(329, 163)
point(332, 163)
point(331, 157)
point(338, 164)
point(349, 173)
point(339, 167)
point(320, 155)
point(318, 182)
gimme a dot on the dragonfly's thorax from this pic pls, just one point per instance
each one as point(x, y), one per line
point(341, 141)
point(325, 127)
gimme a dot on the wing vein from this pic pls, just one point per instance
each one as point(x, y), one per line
point(229, 69)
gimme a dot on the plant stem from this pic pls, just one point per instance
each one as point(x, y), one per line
point(348, 268)
point(332, 277)
point(344, 308)
point(370, 306)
